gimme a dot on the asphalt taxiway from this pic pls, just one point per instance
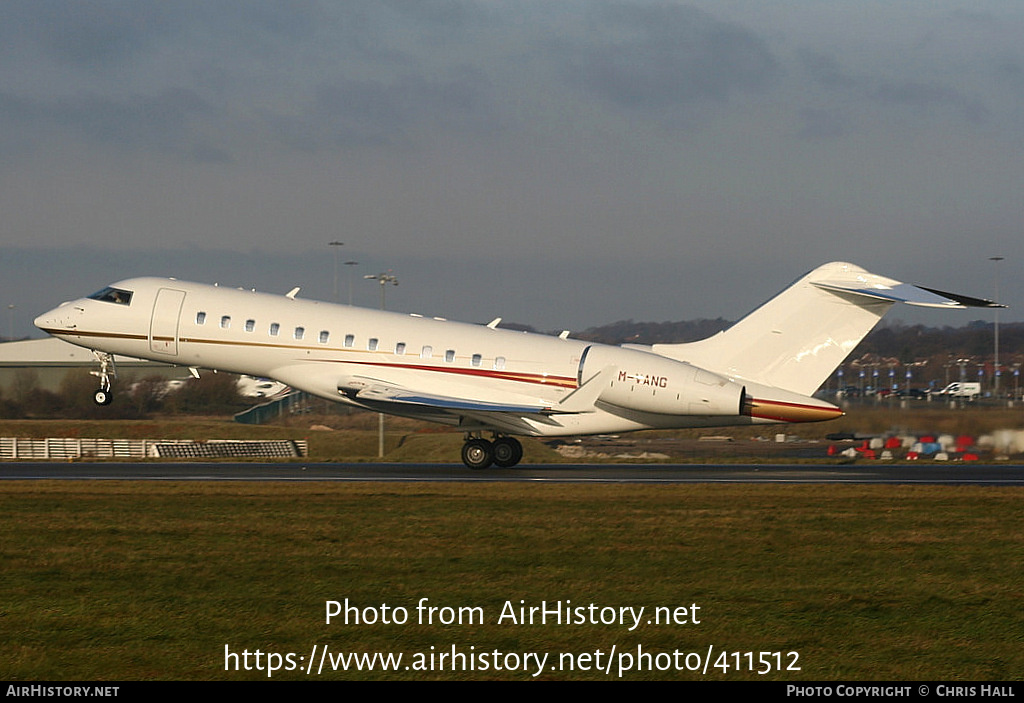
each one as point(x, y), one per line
point(959, 473)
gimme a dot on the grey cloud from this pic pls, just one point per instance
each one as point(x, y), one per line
point(353, 112)
point(929, 97)
point(821, 124)
point(87, 34)
point(442, 14)
point(101, 32)
point(1009, 72)
point(162, 121)
point(177, 76)
point(667, 56)
point(826, 70)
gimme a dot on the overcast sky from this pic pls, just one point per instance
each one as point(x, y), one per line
point(558, 163)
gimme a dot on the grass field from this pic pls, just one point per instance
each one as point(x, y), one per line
point(124, 581)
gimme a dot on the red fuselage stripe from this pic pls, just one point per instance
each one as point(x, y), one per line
point(539, 379)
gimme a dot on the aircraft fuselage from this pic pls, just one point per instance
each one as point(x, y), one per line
point(472, 376)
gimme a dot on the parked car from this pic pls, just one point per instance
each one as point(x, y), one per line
point(919, 393)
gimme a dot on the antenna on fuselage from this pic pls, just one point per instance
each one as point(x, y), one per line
point(292, 293)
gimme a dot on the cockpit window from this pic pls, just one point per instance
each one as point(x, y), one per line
point(113, 295)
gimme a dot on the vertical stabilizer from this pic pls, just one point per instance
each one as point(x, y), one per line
point(799, 337)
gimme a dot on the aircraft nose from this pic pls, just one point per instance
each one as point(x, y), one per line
point(44, 321)
point(52, 319)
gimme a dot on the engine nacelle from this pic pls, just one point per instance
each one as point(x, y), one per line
point(654, 384)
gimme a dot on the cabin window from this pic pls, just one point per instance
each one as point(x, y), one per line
point(449, 356)
point(324, 336)
point(275, 329)
point(400, 348)
point(371, 344)
point(350, 340)
point(499, 363)
point(200, 318)
point(113, 295)
point(426, 352)
point(250, 325)
point(476, 359)
point(225, 321)
point(300, 332)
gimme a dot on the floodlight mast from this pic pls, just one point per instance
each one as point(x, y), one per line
point(334, 245)
point(995, 360)
point(384, 279)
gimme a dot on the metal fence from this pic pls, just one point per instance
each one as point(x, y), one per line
point(90, 448)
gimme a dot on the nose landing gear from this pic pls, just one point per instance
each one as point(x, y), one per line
point(479, 453)
point(104, 395)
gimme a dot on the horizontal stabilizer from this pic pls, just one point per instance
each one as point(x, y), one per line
point(964, 300)
point(909, 294)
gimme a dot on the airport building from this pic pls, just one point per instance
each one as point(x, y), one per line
point(49, 361)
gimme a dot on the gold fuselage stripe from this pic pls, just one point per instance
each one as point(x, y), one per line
point(539, 379)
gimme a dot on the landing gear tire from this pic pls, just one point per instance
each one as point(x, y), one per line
point(507, 452)
point(477, 454)
point(106, 374)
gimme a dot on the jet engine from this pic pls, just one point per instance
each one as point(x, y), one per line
point(649, 383)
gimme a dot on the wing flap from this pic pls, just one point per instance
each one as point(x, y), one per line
point(363, 389)
point(378, 394)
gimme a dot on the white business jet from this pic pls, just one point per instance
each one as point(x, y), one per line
point(484, 380)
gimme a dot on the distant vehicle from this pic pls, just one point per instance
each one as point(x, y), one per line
point(969, 390)
point(918, 393)
point(848, 392)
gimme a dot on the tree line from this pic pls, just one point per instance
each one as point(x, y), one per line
point(212, 394)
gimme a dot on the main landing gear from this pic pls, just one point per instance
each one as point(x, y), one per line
point(104, 395)
point(479, 453)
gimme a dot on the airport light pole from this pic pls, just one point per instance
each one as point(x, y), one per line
point(384, 279)
point(350, 264)
point(335, 245)
point(963, 379)
point(995, 364)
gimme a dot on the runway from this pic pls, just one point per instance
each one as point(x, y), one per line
point(949, 474)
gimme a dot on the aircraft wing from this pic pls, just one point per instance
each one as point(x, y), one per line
point(391, 394)
point(510, 413)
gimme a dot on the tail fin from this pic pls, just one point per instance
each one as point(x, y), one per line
point(799, 337)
